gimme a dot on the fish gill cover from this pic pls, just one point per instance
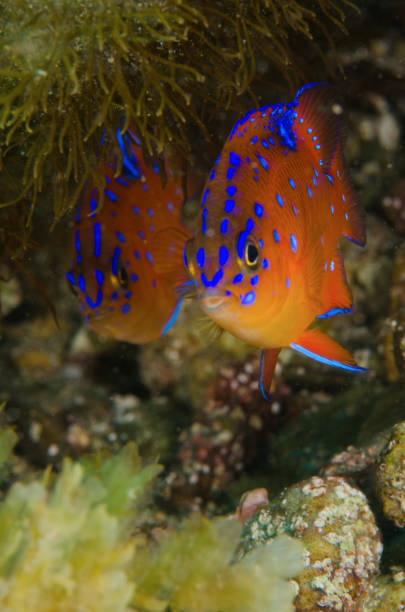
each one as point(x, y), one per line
point(72, 70)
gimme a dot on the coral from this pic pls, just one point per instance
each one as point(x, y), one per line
point(390, 476)
point(335, 524)
point(72, 70)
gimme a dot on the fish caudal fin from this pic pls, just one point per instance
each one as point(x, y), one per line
point(317, 345)
point(267, 364)
point(335, 296)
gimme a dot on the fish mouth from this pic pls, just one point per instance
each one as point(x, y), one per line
point(213, 301)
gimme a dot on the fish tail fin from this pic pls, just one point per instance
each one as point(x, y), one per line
point(267, 364)
point(317, 345)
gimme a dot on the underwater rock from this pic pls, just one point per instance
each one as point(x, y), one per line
point(226, 436)
point(394, 206)
point(390, 476)
point(387, 593)
point(336, 526)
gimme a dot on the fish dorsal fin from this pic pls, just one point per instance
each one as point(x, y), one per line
point(167, 249)
point(336, 296)
point(321, 126)
point(267, 364)
point(317, 345)
point(317, 119)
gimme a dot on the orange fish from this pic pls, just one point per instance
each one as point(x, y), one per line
point(114, 275)
point(264, 259)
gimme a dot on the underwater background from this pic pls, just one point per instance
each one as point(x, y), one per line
point(157, 477)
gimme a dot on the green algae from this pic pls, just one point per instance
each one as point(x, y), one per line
point(72, 70)
point(76, 541)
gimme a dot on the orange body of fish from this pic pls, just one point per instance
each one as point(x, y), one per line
point(264, 258)
point(120, 290)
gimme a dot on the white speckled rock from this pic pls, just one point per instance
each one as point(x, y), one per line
point(338, 530)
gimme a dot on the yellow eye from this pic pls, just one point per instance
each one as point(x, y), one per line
point(251, 254)
point(121, 278)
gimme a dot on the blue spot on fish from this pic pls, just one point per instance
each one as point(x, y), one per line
point(205, 195)
point(99, 277)
point(200, 257)
point(149, 257)
point(258, 209)
point(97, 239)
point(276, 236)
point(231, 190)
point(262, 161)
point(224, 226)
point(234, 159)
point(115, 259)
point(230, 173)
point(229, 205)
point(237, 279)
point(125, 308)
point(279, 199)
point(204, 221)
point(248, 298)
point(110, 195)
point(254, 280)
point(287, 283)
point(81, 283)
point(134, 277)
point(291, 183)
point(223, 255)
point(293, 243)
point(265, 264)
point(120, 237)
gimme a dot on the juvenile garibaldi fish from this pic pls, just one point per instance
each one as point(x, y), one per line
point(264, 259)
point(120, 291)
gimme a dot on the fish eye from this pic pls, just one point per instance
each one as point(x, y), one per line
point(122, 277)
point(251, 254)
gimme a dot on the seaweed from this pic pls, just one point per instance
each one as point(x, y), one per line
point(78, 540)
point(71, 71)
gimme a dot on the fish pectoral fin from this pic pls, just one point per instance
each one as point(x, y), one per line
point(167, 249)
point(207, 329)
point(317, 345)
point(267, 364)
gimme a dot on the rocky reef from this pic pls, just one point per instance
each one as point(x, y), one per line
point(293, 503)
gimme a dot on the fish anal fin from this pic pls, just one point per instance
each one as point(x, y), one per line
point(267, 364)
point(317, 345)
point(335, 296)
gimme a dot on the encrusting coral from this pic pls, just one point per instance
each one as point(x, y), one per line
point(74, 542)
point(71, 71)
